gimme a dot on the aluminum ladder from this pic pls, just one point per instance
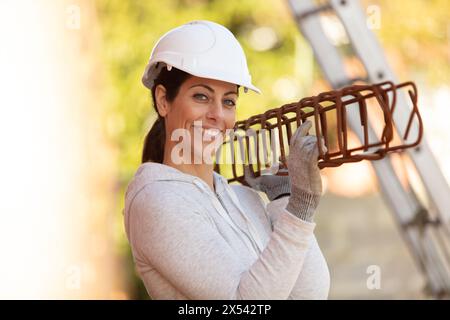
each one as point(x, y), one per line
point(425, 225)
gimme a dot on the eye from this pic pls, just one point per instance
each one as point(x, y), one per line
point(200, 97)
point(229, 103)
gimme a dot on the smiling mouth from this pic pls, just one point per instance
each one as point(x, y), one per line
point(208, 132)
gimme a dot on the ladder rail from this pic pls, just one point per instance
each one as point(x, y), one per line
point(372, 56)
point(428, 253)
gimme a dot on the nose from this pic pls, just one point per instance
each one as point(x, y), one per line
point(215, 111)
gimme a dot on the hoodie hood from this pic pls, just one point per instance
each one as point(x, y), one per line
point(151, 171)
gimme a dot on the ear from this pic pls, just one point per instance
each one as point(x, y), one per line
point(161, 102)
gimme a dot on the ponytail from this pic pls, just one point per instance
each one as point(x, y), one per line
point(155, 140)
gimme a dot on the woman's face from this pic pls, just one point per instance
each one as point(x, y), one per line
point(203, 109)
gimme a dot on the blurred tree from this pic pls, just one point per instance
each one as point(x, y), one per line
point(414, 33)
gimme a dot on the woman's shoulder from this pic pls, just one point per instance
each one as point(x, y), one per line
point(158, 185)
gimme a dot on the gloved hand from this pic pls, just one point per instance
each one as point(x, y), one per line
point(274, 186)
point(303, 183)
point(306, 183)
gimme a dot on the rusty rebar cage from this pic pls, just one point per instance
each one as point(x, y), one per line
point(266, 136)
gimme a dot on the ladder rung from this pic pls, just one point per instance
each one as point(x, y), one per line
point(316, 10)
point(349, 81)
point(420, 220)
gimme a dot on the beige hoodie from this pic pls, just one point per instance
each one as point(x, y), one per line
point(189, 242)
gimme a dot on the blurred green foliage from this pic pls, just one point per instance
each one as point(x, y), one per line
point(417, 31)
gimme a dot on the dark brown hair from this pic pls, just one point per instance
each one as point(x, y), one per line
point(154, 141)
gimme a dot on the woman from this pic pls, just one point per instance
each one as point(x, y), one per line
point(192, 235)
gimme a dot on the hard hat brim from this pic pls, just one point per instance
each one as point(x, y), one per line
point(151, 69)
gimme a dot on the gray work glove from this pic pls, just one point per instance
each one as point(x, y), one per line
point(306, 183)
point(274, 186)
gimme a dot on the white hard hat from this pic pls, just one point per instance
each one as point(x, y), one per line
point(201, 48)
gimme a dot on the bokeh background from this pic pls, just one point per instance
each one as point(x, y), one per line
point(74, 115)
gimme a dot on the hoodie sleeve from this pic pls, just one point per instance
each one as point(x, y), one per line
point(186, 248)
point(318, 279)
point(313, 282)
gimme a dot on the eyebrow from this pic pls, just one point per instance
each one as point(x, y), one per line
point(212, 90)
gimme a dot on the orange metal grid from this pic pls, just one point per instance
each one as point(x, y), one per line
point(330, 105)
